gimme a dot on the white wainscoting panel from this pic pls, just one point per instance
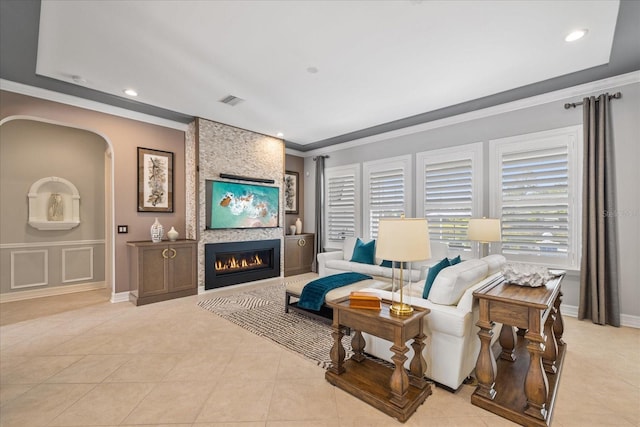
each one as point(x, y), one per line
point(77, 264)
point(29, 268)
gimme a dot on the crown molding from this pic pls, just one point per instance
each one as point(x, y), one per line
point(75, 101)
point(564, 95)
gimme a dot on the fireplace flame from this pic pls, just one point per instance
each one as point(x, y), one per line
point(235, 264)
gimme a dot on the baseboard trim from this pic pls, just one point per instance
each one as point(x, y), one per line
point(53, 291)
point(625, 319)
point(119, 297)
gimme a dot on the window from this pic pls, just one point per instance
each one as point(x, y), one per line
point(535, 182)
point(449, 187)
point(388, 190)
point(342, 186)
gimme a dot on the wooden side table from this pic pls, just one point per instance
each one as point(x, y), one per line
point(522, 384)
point(393, 391)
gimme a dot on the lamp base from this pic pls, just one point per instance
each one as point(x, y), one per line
point(401, 309)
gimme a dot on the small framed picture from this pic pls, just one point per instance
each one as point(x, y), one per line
point(291, 192)
point(155, 180)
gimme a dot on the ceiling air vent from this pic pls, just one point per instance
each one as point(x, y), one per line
point(231, 100)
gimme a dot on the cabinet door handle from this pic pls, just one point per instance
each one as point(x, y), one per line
point(174, 253)
point(164, 253)
point(302, 242)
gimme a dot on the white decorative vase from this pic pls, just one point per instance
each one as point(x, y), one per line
point(172, 234)
point(292, 228)
point(157, 232)
point(298, 226)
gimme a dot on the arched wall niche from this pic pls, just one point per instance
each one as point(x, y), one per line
point(54, 204)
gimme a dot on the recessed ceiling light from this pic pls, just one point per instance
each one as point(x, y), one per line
point(312, 70)
point(78, 79)
point(131, 92)
point(280, 134)
point(575, 35)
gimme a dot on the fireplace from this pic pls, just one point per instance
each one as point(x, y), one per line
point(238, 262)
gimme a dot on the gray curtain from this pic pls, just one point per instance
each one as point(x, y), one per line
point(319, 244)
point(599, 299)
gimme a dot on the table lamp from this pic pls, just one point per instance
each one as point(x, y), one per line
point(402, 240)
point(484, 230)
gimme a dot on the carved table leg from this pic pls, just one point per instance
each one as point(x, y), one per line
point(558, 325)
point(418, 365)
point(337, 351)
point(486, 363)
point(357, 344)
point(550, 346)
point(399, 379)
point(508, 343)
point(536, 386)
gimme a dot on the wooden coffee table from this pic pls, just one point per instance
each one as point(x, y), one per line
point(393, 391)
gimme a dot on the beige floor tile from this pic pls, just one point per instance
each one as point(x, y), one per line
point(199, 367)
point(252, 366)
point(294, 366)
point(37, 369)
point(176, 402)
point(145, 368)
point(237, 401)
point(9, 392)
point(81, 344)
point(105, 404)
point(303, 400)
point(41, 404)
point(90, 369)
point(38, 346)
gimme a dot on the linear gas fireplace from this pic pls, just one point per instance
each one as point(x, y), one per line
point(238, 262)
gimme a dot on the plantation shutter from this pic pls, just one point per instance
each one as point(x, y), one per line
point(386, 197)
point(341, 209)
point(448, 201)
point(535, 202)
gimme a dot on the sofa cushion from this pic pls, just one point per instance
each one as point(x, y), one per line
point(453, 281)
point(370, 269)
point(347, 247)
point(433, 273)
point(494, 262)
point(364, 252)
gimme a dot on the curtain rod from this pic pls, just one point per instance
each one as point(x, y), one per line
point(324, 155)
point(616, 95)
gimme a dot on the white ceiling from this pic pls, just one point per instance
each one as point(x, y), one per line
point(377, 61)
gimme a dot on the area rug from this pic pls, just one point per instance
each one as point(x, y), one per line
point(261, 311)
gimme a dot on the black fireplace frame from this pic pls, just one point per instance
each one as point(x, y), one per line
point(213, 280)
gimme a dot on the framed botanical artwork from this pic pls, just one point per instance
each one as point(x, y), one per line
point(155, 180)
point(291, 192)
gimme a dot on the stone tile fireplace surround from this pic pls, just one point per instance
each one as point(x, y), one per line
point(213, 148)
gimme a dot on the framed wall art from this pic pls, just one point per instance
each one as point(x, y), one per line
point(155, 180)
point(291, 192)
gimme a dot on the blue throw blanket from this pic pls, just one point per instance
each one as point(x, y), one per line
point(314, 292)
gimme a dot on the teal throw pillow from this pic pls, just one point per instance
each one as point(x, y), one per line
point(364, 252)
point(386, 263)
point(431, 276)
point(454, 261)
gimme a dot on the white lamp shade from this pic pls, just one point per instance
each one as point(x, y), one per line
point(403, 239)
point(484, 230)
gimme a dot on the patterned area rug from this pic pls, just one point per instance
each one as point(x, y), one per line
point(261, 311)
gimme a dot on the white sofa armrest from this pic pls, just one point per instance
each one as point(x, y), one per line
point(323, 257)
point(466, 301)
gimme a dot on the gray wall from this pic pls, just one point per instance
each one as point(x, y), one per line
point(626, 130)
point(31, 150)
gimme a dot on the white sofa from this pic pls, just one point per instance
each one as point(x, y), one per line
point(340, 262)
point(452, 343)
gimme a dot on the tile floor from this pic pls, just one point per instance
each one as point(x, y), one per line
point(78, 360)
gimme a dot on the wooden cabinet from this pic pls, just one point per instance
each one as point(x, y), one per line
point(162, 271)
point(298, 253)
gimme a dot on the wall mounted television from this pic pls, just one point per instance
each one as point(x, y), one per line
point(235, 205)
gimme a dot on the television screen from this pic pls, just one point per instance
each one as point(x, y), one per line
point(234, 205)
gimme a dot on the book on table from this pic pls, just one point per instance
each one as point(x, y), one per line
point(363, 299)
